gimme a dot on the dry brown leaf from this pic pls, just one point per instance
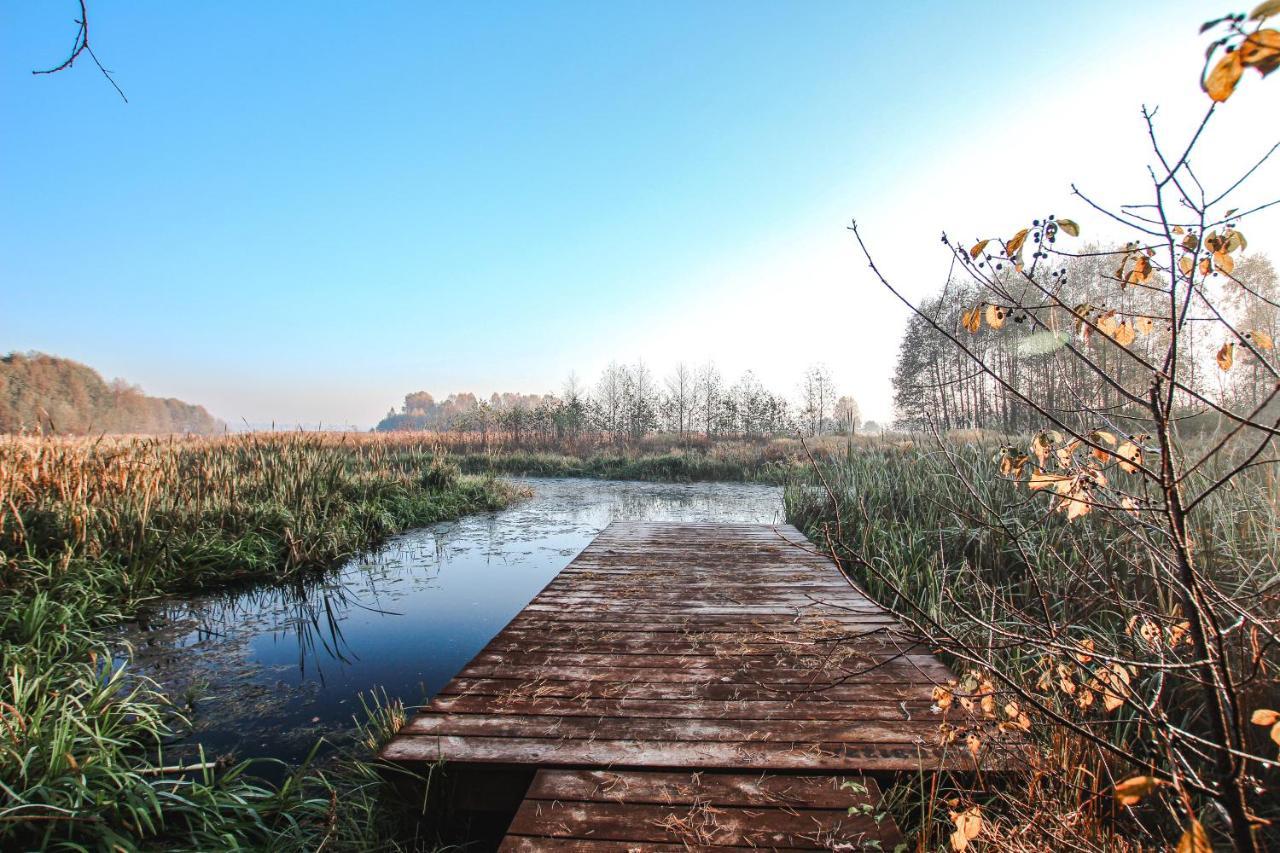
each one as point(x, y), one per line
point(1107, 324)
point(1265, 717)
point(995, 316)
point(972, 320)
point(1226, 355)
point(978, 248)
point(1124, 335)
point(1261, 339)
point(968, 822)
point(1194, 839)
point(1015, 243)
point(1222, 81)
point(1223, 261)
point(1069, 226)
point(1206, 266)
point(1261, 50)
point(1265, 10)
point(1043, 480)
point(1141, 270)
point(1129, 456)
point(1133, 790)
point(1144, 325)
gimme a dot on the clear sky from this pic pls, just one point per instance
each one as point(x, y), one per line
point(307, 210)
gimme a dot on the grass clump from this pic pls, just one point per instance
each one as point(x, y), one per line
point(91, 529)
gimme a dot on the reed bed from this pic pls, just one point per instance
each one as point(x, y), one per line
point(937, 534)
point(91, 529)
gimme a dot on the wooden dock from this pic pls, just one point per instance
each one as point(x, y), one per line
point(723, 649)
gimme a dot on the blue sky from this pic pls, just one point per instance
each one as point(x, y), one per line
point(308, 209)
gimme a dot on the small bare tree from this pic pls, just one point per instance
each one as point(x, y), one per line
point(1161, 657)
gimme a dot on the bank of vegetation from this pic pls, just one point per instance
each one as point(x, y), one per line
point(89, 530)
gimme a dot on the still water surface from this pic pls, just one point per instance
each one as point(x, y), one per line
point(271, 670)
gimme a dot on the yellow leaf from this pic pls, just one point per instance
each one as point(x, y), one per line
point(1131, 791)
point(1041, 480)
point(958, 841)
point(1069, 226)
point(1261, 339)
point(1265, 717)
point(1261, 50)
point(1129, 456)
point(1226, 355)
point(1223, 261)
point(1107, 324)
point(1064, 454)
point(1141, 270)
point(1144, 325)
point(1186, 264)
point(977, 248)
point(1085, 655)
point(1015, 243)
point(1195, 839)
point(968, 822)
point(974, 744)
point(1078, 505)
point(995, 316)
point(972, 320)
point(1222, 81)
point(1275, 733)
point(1124, 334)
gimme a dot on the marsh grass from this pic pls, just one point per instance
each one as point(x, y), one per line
point(937, 534)
point(89, 530)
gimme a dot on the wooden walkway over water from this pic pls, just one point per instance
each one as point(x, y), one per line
point(726, 653)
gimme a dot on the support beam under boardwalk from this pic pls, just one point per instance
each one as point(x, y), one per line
point(604, 810)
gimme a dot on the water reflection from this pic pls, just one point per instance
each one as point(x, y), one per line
point(269, 670)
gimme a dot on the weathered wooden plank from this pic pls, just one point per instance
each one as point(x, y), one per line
point(763, 755)
point(722, 789)
point(690, 824)
point(637, 709)
point(512, 688)
point(786, 732)
point(901, 671)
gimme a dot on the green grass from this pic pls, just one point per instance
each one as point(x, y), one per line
point(93, 529)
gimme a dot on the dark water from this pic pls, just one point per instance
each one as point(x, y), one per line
point(269, 671)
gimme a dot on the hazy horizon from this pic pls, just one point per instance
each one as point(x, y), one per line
point(301, 217)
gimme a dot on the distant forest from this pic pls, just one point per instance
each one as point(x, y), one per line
point(628, 402)
point(43, 393)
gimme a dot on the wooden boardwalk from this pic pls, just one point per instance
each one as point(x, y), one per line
point(692, 647)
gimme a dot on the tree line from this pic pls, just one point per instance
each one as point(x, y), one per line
point(628, 402)
point(46, 394)
point(937, 385)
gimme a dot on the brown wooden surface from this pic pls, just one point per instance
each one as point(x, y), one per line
point(603, 810)
point(703, 646)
